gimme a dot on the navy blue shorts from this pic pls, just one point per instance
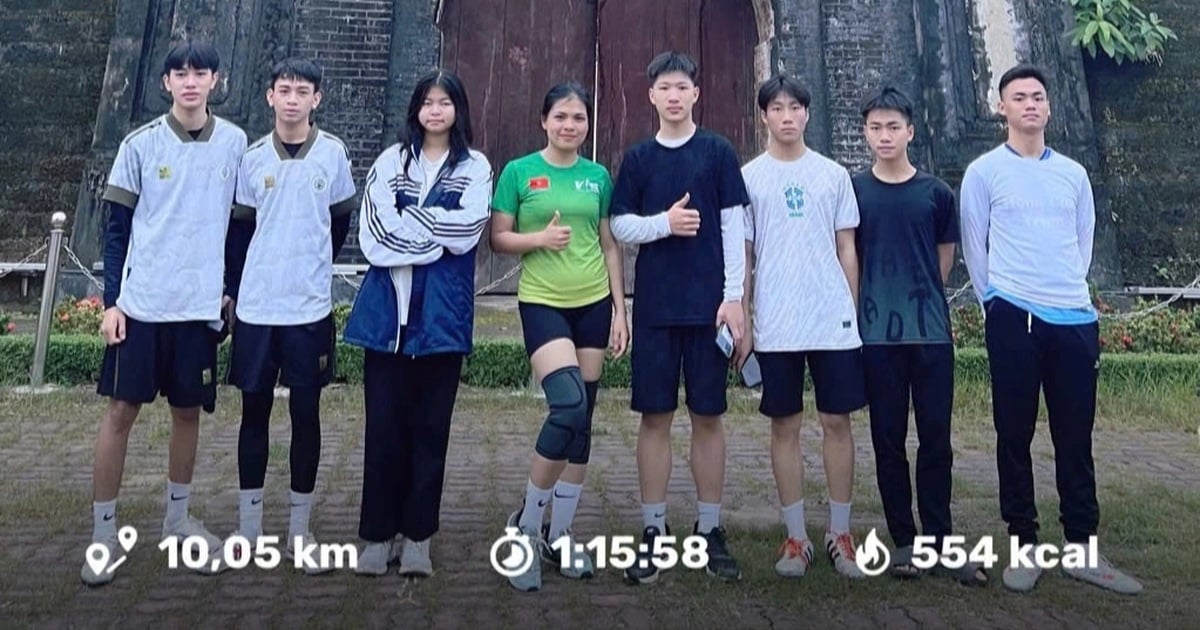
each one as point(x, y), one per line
point(587, 326)
point(175, 359)
point(658, 353)
point(838, 381)
point(292, 356)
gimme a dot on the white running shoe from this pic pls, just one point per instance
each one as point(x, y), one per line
point(840, 548)
point(214, 563)
point(1105, 575)
point(795, 556)
point(376, 556)
point(315, 568)
point(415, 559)
point(1021, 579)
point(90, 577)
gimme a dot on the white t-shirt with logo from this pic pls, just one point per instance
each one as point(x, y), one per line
point(289, 266)
point(181, 190)
point(802, 300)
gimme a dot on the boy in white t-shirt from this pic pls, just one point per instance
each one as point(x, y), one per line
point(295, 194)
point(169, 195)
point(801, 256)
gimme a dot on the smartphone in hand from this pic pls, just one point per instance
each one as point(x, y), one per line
point(725, 341)
point(751, 374)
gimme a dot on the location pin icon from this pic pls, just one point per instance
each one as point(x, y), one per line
point(97, 557)
point(127, 537)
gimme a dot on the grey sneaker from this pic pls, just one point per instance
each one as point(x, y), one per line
point(376, 556)
point(1105, 575)
point(531, 579)
point(415, 559)
point(580, 563)
point(307, 540)
point(1021, 579)
point(92, 578)
point(192, 527)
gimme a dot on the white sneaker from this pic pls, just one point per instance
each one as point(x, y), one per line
point(90, 577)
point(795, 556)
point(315, 569)
point(840, 548)
point(192, 527)
point(1106, 576)
point(415, 560)
point(376, 556)
point(580, 563)
point(1021, 579)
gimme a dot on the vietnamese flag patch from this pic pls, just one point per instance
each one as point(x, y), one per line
point(539, 183)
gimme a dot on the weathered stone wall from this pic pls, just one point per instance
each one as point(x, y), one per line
point(946, 54)
point(52, 56)
point(1145, 118)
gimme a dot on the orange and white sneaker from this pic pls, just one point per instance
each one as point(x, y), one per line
point(840, 548)
point(795, 556)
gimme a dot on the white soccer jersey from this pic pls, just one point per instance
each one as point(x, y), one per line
point(181, 189)
point(289, 267)
point(802, 300)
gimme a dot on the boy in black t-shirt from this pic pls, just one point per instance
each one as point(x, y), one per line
point(679, 196)
point(906, 236)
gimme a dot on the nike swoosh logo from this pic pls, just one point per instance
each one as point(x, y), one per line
point(255, 501)
point(543, 502)
point(175, 498)
point(109, 517)
point(563, 496)
point(660, 514)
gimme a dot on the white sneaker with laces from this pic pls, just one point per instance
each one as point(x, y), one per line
point(415, 560)
point(840, 548)
point(376, 556)
point(1021, 579)
point(795, 556)
point(193, 527)
point(90, 577)
point(308, 539)
point(1105, 575)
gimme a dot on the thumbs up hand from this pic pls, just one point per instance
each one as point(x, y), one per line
point(684, 220)
point(556, 237)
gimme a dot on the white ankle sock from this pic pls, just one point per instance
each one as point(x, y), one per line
point(301, 508)
point(793, 517)
point(250, 512)
point(566, 500)
point(839, 517)
point(655, 515)
point(536, 500)
point(708, 517)
point(104, 520)
point(177, 502)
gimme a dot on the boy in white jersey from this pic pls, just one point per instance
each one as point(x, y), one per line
point(294, 198)
point(169, 195)
point(1027, 225)
point(801, 256)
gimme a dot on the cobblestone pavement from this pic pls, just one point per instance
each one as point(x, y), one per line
point(45, 474)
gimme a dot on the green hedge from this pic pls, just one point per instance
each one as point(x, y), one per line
point(75, 359)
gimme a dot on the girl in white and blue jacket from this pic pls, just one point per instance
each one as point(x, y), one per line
point(424, 209)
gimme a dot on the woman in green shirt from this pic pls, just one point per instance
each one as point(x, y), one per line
point(551, 208)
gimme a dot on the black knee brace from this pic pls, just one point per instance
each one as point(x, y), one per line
point(565, 431)
point(582, 458)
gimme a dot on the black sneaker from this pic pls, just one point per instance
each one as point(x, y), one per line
point(644, 571)
point(721, 563)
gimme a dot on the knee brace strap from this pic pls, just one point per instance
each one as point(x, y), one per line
point(565, 431)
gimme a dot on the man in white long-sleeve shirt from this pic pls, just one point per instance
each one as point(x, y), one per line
point(1027, 227)
point(679, 195)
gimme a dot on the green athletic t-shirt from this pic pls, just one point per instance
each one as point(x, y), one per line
point(531, 190)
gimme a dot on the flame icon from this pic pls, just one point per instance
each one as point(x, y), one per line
point(872, 556)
